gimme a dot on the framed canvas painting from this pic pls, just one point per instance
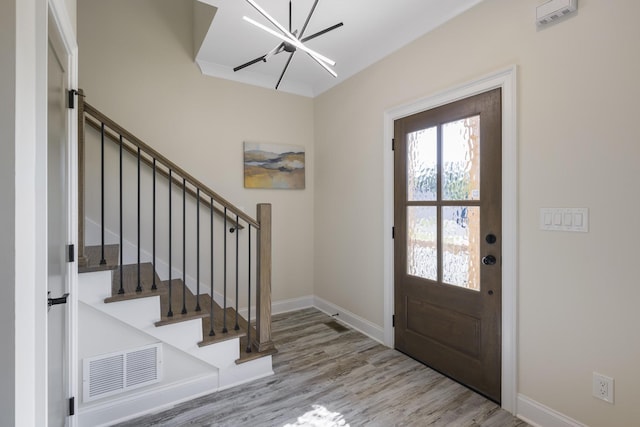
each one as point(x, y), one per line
point(274, 166)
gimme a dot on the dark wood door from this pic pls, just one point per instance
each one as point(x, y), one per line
point(448, 240)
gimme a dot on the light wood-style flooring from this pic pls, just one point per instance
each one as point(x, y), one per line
point(324, 377)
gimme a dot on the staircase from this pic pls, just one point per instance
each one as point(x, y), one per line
point(134, 289)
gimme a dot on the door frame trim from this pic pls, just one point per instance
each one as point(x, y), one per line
point(506, 80)
point(59, 21)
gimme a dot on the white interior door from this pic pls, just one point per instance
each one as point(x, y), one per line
point(57, 232)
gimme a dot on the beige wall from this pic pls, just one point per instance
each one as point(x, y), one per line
point(136, 65)
point(71, 7)
point(578, 93)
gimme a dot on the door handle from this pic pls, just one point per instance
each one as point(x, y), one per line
point(489, 260)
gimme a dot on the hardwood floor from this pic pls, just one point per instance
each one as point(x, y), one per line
point(324, 377)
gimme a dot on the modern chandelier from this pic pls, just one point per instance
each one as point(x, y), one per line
point(291, 40)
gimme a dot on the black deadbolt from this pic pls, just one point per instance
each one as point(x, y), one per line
point(491, 239)
point(489, 260)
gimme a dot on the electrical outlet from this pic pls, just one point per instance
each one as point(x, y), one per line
point(603, 387)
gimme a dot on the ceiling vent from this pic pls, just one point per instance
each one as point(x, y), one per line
point(115, 373)
point(553, 10)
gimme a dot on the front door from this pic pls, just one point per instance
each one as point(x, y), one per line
point(57, 231)
point(448, 240)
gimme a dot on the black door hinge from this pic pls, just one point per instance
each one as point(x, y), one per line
point(393, 321)
point(393, 144)
point(71, 253)
point(393, 232)
point(72, 98)
point(72, 406)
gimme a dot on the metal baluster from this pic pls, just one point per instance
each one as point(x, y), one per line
point(198, 250)
point(139, 287)
point(103, 261)
point(153, 285)
point(237, 327)
point(224, 269)
point(211, 318)
point(170, 313)
point(249, 297)
point(121, 290)
point(184, 246)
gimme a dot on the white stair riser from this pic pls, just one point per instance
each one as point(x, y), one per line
point(245, 372)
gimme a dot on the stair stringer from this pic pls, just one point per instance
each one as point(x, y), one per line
point(142, 313)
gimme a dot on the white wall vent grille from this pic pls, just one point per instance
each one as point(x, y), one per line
point(115, 373)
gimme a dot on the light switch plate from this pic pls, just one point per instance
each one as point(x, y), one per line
point(564, 219)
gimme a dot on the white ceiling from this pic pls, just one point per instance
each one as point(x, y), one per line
point(372, 30)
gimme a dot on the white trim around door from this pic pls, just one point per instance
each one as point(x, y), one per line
point(62, 25)
point(505, 79)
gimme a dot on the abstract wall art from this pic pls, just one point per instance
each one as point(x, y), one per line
point(274, 166)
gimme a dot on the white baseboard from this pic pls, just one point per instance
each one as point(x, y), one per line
point(539, 415)
point(353, 320)
point(285, 306)
point(147, 401)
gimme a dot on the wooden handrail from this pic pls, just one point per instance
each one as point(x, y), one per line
point(116, 140)
point(90, 110)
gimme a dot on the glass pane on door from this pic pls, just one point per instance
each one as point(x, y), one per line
point(461, 159)
point(422, 242)
point(461, 246)
point(422, 164)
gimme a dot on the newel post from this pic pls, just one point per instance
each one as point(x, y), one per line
point(82, 259)
point(263, 287)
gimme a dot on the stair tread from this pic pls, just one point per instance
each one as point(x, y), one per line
point(218, 325)
point(177, 303)
point(255, 354)
point(94, 255)
point(130, 276)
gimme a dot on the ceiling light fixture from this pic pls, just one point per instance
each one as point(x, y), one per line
point(291, 40)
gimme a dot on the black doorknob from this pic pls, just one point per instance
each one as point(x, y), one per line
point(489, 260)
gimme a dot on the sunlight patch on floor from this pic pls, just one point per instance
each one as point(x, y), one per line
point(320, 417)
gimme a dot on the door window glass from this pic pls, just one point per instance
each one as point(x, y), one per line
point(422, 162)
point(461, 246)
point(422, 242)
point(461, 159)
